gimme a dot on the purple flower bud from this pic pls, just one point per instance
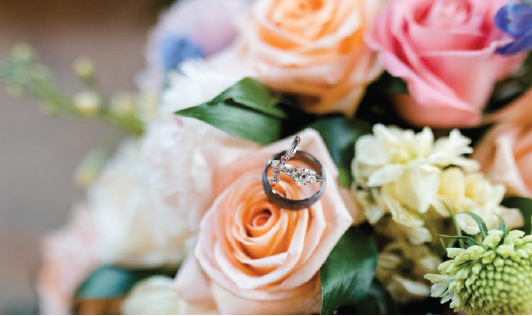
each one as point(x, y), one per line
point(516, 20)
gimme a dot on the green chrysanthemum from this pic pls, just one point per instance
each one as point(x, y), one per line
point(494, 277)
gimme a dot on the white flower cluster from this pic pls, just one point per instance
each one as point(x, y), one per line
point(406, 182)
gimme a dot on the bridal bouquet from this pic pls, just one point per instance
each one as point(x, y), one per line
point(407, 188)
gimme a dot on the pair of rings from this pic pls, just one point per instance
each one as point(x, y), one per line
point(301, 176)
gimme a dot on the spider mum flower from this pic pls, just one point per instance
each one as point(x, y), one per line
point(494, 277)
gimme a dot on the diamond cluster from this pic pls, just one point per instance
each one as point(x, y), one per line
point(302, 176)
point(278, 166)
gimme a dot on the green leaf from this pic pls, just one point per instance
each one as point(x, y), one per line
point(345, 177)
point(393, 84)
point(502, 225)
point(470, 241)
point(378, 301)
point(114, 282)
point(340, 135)
point(481, 224)
point(347, 274)
point(525, 206)
point(458, 230)
point(252, 94)
point(511, 87)
point(249, 110)
point(503, 228)
point(238, 121)
point(443, 244)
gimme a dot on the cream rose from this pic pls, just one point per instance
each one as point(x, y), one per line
point(313, 48)
point(259, 257)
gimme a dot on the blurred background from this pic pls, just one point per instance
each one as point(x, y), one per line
point(39, 154)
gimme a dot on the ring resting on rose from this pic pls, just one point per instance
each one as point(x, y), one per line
point(300, 175)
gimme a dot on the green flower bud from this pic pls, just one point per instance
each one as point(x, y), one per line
point(453, 252)
point(87, 102)
point(492, 240)
point(84, 68)
point(488, 279)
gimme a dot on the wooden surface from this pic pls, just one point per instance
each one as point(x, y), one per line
point(38, 154)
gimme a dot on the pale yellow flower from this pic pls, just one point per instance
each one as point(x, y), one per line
point(397, 172)
point(473, 192)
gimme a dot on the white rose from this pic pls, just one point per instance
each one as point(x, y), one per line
point(135, 226)
point(181, 154)
point(155, 296)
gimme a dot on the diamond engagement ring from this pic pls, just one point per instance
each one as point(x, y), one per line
point(301, 176)
point(279, 164)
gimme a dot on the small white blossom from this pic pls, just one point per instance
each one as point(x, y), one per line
point(155, 296)
point(401, 268)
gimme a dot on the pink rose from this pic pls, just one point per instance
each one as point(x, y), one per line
point(505, 152)
point(259, 257)
point(314, 49)
point(69, 255)
point(444, 50)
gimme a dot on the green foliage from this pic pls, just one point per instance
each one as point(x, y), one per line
point(481, 224)
point(340, 135)
point(525, 206)
point(512, 87)
point(458, 230)
point(503, 228)
point(114, 282)
point(376, 105)
point(470, 241)
point(347, 274)
point(249, 110)
point(393, 84)
point(377, 302)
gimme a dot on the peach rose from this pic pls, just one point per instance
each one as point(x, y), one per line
point(505, 152)
point(259, 257)
point(313, 48)
point(69, 256)
point(445, 51)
